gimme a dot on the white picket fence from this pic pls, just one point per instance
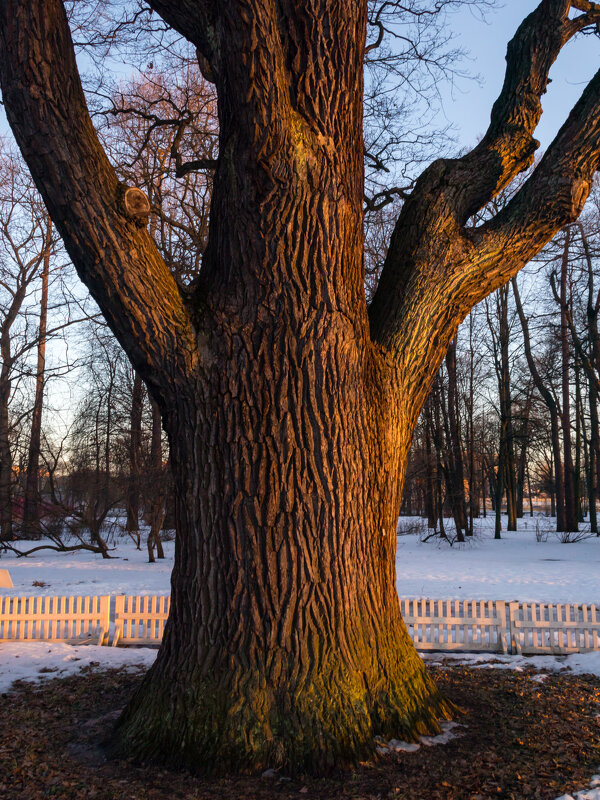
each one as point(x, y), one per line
point(481, 625)
point(55, 619)
point(140, 619)
point(461, 625)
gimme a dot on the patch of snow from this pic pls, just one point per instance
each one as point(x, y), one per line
point(576, 663)
point(48, 572)
point(402, 747)
point(270, 773)
point(37, 661)
point(398, 746)
point(443, 737)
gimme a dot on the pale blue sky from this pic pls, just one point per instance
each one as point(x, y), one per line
point(467, 106)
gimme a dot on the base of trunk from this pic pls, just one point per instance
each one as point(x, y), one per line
point(253, 720)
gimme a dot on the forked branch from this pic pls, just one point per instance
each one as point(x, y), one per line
point(437, 268)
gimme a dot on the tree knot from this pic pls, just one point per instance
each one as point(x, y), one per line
point(135, 205)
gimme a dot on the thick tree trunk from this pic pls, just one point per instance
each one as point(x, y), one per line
point(285, 644)
point(288, 646)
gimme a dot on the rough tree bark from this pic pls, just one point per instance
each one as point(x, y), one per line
point(289, 407)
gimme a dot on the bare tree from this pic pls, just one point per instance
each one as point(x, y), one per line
point(22, 249)
point(289, 405)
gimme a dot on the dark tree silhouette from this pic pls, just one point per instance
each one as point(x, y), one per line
point(289, 405)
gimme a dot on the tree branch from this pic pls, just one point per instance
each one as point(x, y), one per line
point(436, 269)
point(195, 21)
point(113, 255)
point(551, 198)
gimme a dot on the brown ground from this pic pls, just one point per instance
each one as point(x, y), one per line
point(522, 739)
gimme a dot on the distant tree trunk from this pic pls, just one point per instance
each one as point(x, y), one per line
point(551, 404)
point(135, 443)
point(578, 439)
point(438, 438)
point(593, 371)
point(430, 498)
point(31, 509)
point(506, 415)
point(6, 366)
point(571, 522)
point(592, 481)
point(499, 489)
point(529, 491)
point(523, 453)
point(473, 493)
point(158, 488)
point(455, 462)
point(483, 497)
point(6, 521)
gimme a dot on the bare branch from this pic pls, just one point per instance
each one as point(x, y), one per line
point(114, 257)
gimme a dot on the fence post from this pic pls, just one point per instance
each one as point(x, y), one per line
point(119, 612)
point(104, 619)
point(504, 626)
point(513, 616)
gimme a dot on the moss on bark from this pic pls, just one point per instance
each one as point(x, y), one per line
point(247, 722)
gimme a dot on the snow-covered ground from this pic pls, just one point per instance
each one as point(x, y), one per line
point(518, 567)
point(36, 661)
point(82, 572)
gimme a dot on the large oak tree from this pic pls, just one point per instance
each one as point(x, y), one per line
point(289, 404)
